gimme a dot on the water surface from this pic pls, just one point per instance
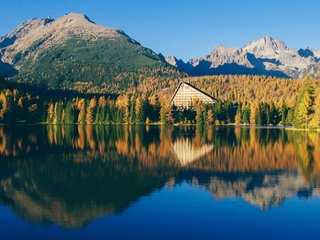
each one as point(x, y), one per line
point(108, 182)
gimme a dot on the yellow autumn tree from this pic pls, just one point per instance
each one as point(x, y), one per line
point(50, 113)
point(82, 111)
point(4, 108)
point(90, 116)
point(254, 113)
point(315, 121)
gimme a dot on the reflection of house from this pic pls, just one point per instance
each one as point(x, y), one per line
point(187, 153)
point(186, 94)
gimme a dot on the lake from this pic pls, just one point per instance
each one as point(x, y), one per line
point(148, 182)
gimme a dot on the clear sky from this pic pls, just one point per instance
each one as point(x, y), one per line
point(184, 28)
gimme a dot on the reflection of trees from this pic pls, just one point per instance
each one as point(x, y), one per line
point(251, 153)
point(220, 149)
point(308, 152)
point(73, 174)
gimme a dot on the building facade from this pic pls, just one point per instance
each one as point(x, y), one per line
point(186, 95)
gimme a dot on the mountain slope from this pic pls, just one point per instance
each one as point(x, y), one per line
point(266, 56)
point(72, 52)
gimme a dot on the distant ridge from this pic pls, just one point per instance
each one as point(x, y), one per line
point(265, 56)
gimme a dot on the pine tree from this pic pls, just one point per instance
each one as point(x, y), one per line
point(275, 116)
point(69, 113)
point(258, 116)
point(119, 116)
point(304, 107)
point(100, 112)
point(140, 110)
point(107, 117)
point(284, 114)
point(245, 114)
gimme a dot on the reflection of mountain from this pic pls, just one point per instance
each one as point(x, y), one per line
point(70, 193)
point(71, 175)
point(187, 153)
point(260, 189)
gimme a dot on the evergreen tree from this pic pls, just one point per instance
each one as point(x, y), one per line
point(140, 110)
point(284, 114)
point(107, 117)
point(119, 116)
point(245, 114)
point(69, 113)
point(275, 116)
point(100, 112)
point(303, 109)
point(258, 116)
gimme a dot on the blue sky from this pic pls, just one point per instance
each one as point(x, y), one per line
point(184, 28)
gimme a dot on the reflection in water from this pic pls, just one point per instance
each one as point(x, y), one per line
point(187, 153)
point(70, 175)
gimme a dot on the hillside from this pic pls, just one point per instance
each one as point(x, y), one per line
point(73, 52)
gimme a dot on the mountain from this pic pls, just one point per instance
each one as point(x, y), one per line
point(266, 56)
point(73, 52)
point(179, 63)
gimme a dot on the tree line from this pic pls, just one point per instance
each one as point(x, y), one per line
point(141, 108)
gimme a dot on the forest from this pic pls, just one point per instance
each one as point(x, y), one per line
point(243, 100)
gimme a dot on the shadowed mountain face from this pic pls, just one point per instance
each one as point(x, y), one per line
point(72, 175)
point(266, 56)
point(73, 52)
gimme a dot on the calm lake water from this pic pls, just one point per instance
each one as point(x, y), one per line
point(105, 182)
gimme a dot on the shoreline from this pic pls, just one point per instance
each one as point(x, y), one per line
point(289, 128)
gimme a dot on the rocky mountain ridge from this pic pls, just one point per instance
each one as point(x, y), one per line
point(265, 56)
point(72, 52)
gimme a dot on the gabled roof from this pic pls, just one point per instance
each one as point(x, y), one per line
point(182, 82)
